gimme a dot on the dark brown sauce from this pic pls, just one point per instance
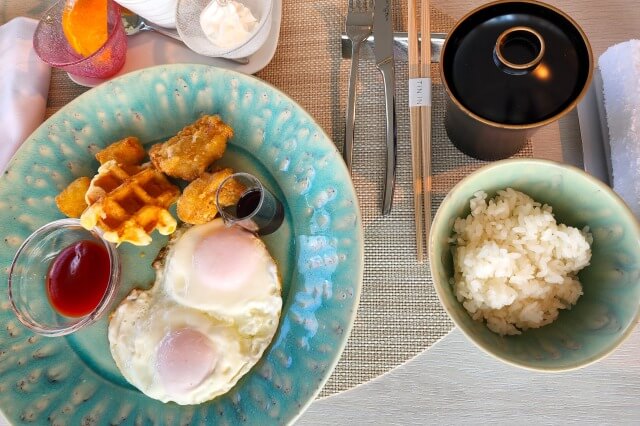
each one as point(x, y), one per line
point(248, 203)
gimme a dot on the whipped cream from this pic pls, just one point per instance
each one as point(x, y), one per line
point(227, 24)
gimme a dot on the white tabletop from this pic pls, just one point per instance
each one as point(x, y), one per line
point(454, 382)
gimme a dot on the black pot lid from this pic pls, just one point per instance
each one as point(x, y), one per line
point(516, 63)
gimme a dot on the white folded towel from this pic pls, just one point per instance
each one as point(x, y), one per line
point(24, 86)
point(620, 69)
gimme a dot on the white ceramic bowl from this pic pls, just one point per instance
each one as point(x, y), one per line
point(188, 26)
point(160, 12)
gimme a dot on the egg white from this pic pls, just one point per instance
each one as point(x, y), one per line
point(256, 292)
point(238, 326)
point(142, 321)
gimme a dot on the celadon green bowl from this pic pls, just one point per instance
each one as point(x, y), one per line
point(610, 306)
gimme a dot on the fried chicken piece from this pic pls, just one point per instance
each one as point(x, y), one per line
point(125, 151)
point(197, 204)
point(193, 149)
point(71, 200)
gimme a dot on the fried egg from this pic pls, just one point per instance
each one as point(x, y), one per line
point(207, 320)
point(225, 271)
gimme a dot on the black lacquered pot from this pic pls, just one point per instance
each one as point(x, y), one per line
point(509, 68)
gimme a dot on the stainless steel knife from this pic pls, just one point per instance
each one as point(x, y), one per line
point(383, 50)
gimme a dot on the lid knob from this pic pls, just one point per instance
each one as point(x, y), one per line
point(518, 50)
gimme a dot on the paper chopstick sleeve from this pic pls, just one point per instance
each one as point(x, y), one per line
point(419, 92)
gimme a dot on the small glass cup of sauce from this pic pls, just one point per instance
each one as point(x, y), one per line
point(255, 209)
point(62, 278)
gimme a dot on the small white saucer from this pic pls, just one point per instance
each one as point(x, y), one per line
point(149, 48)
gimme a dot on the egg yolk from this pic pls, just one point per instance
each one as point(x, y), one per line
point(84, 23)
point(185, 358)
point(226, 260)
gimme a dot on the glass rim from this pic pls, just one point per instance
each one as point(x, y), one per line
point(224, 52)
point(234, 219)
point(260, 26)
point(114, 278)
point(118, 26)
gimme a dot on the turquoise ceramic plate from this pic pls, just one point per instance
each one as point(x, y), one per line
point(73, 379)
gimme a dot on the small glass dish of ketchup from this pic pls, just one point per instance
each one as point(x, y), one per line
point(63, 278)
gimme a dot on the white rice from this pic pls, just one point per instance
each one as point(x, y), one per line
point(515, 267)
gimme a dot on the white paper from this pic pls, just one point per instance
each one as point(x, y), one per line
point(419, 92)
point(24, 86)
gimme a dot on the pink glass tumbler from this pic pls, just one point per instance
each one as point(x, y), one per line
point(53, 48)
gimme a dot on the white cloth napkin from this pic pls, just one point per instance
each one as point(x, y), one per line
point(620, 69)
point(24, 86)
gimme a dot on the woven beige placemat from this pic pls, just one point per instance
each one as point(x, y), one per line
point(399, 314)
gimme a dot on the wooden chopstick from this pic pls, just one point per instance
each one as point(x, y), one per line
point(414, 121)
point(425, 114)
point(420, 121)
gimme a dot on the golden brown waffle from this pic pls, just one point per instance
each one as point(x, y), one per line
point(128, 202)
point(110, 176)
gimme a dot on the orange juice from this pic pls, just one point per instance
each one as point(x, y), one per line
point(84, 23)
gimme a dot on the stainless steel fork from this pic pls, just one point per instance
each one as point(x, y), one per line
point(359, 25)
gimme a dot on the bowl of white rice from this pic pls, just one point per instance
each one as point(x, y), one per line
point(538, 263)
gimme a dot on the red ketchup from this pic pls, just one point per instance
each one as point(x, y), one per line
point(78, 278)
